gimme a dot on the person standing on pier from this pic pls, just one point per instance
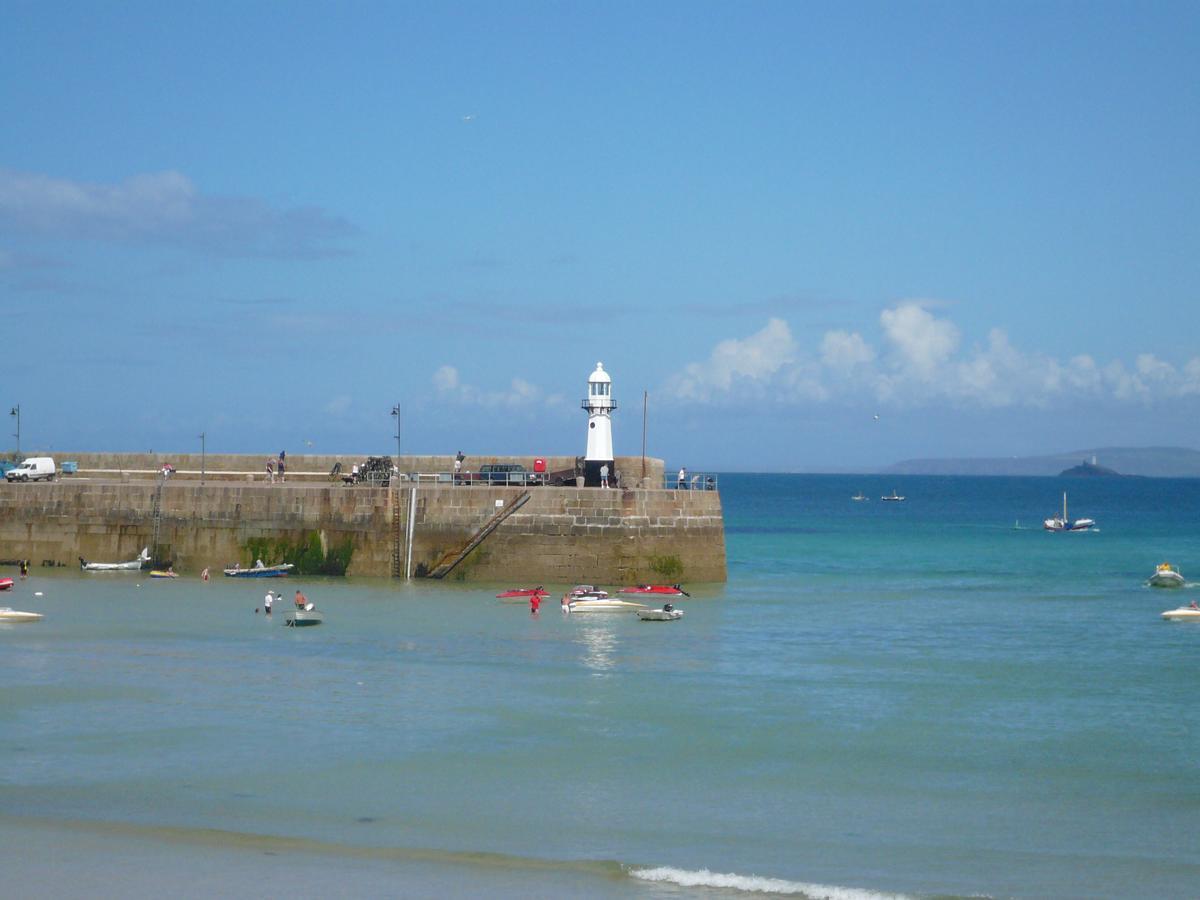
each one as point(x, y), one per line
point(604, 476)
point(271, 469)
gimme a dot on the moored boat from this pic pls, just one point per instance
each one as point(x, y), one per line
point(1166, 575)
point(1183, 614)
point(163, 573)
point(603, 604)
point(522, 593)
point(6, 584)
point(860, 496)
point(7, 614)
point(660, 615)
point(258, 570)
point(1063, 523)
point(893, 497)
point(302, 618)
point(142, 560)
point(669, 589)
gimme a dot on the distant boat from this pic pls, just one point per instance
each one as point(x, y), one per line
point(133, 565)
point(659, 615)
point(1063, 523)
point(1166, 576)
point(1183, 614)
point(162, 573)
point(258, 570)
point(671, 589)
point(894, 498)
point(7, 614)
point(6, 584)
point(860, 496)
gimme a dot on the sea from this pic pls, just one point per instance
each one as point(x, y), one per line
point(933, 698)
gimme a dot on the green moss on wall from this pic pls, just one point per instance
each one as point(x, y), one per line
point(669, 568)
point(304, 552)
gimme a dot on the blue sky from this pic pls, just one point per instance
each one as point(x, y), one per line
point(820, 236)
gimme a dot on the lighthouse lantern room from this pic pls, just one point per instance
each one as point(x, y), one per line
point(599, 405)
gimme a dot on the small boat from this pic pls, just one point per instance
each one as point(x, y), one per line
point(659, 615)
point(894, 498)
point(589, 591)
point(604, 604)
point(258, 570)
point(6, 584)
point(142, 560)
point(523, 593)
point(1166, 576)
point(8, 614)
point(1062, 523)
point(163, 573)
point(674, 590)
point(301, 618)
point(860, 496)
point(1183, 614)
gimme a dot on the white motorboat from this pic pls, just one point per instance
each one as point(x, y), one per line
point(589, 591)
point(1166, 576)
point(659, 615)
point(894, 498)
point(860, 496)
point(299, 618)
point(141, 562)
point(1063, 523)
point(7, 614)
point(1183, 614)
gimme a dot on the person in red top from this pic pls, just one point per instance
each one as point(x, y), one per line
point(535, 600)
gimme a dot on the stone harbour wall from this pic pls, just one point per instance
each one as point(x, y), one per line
point(561, 535)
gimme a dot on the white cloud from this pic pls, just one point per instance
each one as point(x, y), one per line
point(520, 393)
point(165, 207)
point(749, 361)
point(923, 363)
point(921, 341)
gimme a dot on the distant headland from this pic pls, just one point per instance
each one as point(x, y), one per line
point(1151, 462)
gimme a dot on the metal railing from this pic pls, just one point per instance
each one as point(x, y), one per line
point(692, 481)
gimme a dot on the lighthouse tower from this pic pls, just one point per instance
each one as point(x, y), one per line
point(599, 405)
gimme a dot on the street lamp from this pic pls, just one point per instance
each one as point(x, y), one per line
point(202, 458)
point(396, 413)
point(16, 411)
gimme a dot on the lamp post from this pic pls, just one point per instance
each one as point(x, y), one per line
point(202, 458)
point(396, 413)
point(16, 411)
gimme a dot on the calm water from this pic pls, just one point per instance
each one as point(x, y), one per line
point(906, 698)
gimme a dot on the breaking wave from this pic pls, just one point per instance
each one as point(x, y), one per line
point(755, 884)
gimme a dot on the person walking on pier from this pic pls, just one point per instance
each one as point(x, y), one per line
point(604, 476)
point(282, 458)
point(682, 481)
point(271, 469)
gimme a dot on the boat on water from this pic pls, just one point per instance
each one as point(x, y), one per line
point(143, 559)
point(667, 614)
point(7, 614)
point(1183, 614)
point(586, 598)
point(589, 591)
point(258, 570)
point(302, 618)
point(163, 573)
point(1166, 576)
point(860, 496)
point(1063, 523)
point(6, 584)
point(893, 497)
point(522, 593)
point(673, 590)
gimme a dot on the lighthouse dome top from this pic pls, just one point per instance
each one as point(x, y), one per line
point(599, 375)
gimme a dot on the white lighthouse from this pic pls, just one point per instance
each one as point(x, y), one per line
point(599, 405)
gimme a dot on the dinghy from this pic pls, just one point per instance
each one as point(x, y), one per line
point(15, 615)
point(659, 615)
point(1167, 576)
point(300, 618)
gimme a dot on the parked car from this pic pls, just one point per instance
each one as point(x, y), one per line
point(35, 468)
point(506, 473)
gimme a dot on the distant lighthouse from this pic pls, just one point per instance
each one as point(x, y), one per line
point(599, 405)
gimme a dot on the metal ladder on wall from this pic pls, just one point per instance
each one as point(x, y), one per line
point(156, 515)
point(397, 533)
point(449, 562)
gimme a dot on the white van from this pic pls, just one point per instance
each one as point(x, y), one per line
point(36, 468)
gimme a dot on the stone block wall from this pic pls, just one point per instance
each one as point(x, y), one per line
point(559, 535)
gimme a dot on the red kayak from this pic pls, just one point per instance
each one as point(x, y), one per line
point(6, 584)
point(524, 592)
point(671, 589)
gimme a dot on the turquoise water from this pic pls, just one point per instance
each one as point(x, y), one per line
point(912, 698)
